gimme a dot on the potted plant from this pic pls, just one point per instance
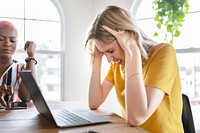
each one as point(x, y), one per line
point(170, 16)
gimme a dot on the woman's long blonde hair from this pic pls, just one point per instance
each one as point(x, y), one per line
point(120, 20)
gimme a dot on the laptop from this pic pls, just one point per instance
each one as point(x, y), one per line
point(60, 118)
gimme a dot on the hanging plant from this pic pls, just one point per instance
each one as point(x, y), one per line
point(169, 16)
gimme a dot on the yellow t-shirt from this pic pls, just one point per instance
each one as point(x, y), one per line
point(160, 71)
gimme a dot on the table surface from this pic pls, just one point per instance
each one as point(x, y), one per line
point(29, 121)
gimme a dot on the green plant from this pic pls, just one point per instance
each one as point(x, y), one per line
point(170, 16)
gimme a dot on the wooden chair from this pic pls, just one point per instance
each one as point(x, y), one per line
point(187, 118)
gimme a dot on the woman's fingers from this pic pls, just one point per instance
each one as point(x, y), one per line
point(27, 44)
point(3, 103)
point(118, 34)
point(6, 89)
point(2, 94)
point(111, 31)
point(11, 97)
point(114, 32)
point(30, 48)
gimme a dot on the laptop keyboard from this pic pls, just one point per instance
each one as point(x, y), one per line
point(65, 117)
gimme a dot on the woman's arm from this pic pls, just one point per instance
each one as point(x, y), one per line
point(97, 91)
point(30, 48)
point(140, 101)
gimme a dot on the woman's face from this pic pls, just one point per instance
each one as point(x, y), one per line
point(8, 42)
point(112, 51)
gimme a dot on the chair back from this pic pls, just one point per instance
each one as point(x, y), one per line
point(187, 118)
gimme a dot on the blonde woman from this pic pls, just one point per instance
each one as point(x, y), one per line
point(144, 73)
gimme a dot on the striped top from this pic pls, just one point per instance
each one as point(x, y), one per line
point(11, 77)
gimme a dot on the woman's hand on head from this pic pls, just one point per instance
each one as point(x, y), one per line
point(121, 37)
point(30, 48)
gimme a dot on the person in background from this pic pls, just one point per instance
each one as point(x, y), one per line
point(145, 73)
point(11, 86)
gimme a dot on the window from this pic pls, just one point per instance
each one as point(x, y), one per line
point(39, 21)
point(187, 47)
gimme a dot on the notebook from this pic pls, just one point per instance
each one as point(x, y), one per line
point(60, 118)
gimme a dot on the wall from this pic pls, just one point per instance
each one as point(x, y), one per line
point(77, 16)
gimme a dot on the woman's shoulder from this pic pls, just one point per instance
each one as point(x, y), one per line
point(163, 46)
point(163, 49)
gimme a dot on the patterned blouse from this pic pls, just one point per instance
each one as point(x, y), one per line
point(11, 77)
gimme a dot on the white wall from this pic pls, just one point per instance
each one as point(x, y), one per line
point(78, 16)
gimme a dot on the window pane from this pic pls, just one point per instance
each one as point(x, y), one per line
point(12, 8)
point(194, 5)
point(145, 10)
point(48, 75)
point(190, 73)
point(148, 26)
point(187, 73)
point(41, 9)
point(189, 36)
point(45, 33)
